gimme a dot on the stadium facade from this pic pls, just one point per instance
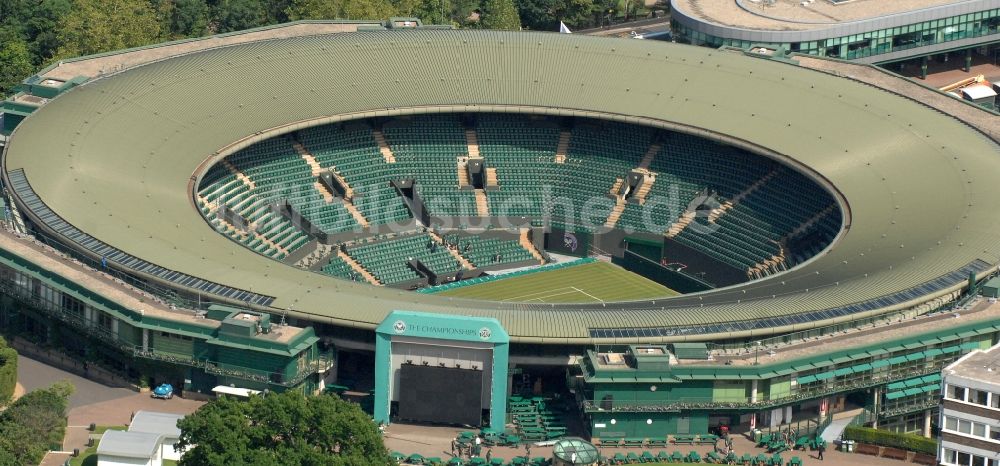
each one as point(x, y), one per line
point(109, 175)
point(885, 33)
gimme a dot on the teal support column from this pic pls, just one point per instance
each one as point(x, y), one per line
point(498, 398)
point(383, 372)
point(968, 61)
point(923, 67)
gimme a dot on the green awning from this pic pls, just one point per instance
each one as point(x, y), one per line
point(806, 379)
point(897, 360)
point(912, 391)
point(931, 378)
point(841, 359)
point(824, 375)
point(934, 352)
point(951, 349)
point(863, 367)
point(970, 345)
point(930, 388)
point(843, 371)
point(916, 356)
point(894, 395)
point(880, 363)
point(896, 385)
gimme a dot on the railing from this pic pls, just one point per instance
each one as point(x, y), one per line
point(322, 363)
point(743, 404)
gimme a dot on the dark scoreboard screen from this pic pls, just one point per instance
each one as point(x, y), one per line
point(442, 395)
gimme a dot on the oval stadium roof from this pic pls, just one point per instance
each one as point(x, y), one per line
point(116, 159)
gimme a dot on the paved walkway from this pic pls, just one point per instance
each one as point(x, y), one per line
point(92, 402)
point(436, 441)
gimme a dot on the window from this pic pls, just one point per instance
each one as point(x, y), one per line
point(964, 426)
point(995, 400)
point(978, 397)
point(963, 458)
point(979, 430)
point(951, 423)
point(995, 433)
point(956, 393)
point(978, 461)
point(948, 456)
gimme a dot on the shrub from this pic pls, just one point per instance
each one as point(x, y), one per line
point(909, 442)
point(8, 372)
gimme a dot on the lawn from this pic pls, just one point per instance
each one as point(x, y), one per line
point(586, 283)
point(88, 457)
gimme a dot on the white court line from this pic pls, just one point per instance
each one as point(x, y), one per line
point(520, 298)
point(588, 294)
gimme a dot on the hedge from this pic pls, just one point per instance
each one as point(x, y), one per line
point(909, 442)
point(8, 372)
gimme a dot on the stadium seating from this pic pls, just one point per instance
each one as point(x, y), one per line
point(387, 260)
point(484, 252)
point(769, 206)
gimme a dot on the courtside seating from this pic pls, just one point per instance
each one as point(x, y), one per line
point(484, 252)
point(387, 260)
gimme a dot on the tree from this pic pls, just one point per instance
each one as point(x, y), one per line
point(435, 12)
point(500, 14)
point(340, 9)
point(189, 18)
point(15, 65)
point(237, 15)
point(41, 27)
point(544, 15)
point(281, 429)
point(34, 424)
point(95, 26)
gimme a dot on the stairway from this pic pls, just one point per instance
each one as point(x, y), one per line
point(482, 204)
point(718, 211)
point(472, 140)
point(682, 222)
point(812, 221)
point(772, 265)
point(616, 187)
point(383, 147)
point(357, 267)
point(463, 172)
point(650, 155)
point(310, 160)
point(239, 174)
point(491, 177)
point(563, 147)
point(454, 252)
point(358, 217)
point(526, 243)
point(616, 212)
point(647, 185)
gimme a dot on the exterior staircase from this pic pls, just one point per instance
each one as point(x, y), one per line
point(357, 267)
point(563, 147)
point(526, 243)
point(383, 146)
point(454, 253)
point(482, 204)
point(472, 140)
point(239, 174)
point(650, 155)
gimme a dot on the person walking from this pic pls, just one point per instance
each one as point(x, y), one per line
point(489, 455)
point(821, 448)
point(453, 449)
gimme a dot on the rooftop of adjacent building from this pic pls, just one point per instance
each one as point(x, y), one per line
point(983, 365)
point(97, 65)
point(888, 330)
point(796, 15)
point(116, 290)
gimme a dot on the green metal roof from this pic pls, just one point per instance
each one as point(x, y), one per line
point(117, 158)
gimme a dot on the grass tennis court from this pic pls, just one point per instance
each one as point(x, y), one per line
point(586, 283)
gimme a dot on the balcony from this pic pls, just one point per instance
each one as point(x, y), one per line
point(322, 363)
point(810, 392)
